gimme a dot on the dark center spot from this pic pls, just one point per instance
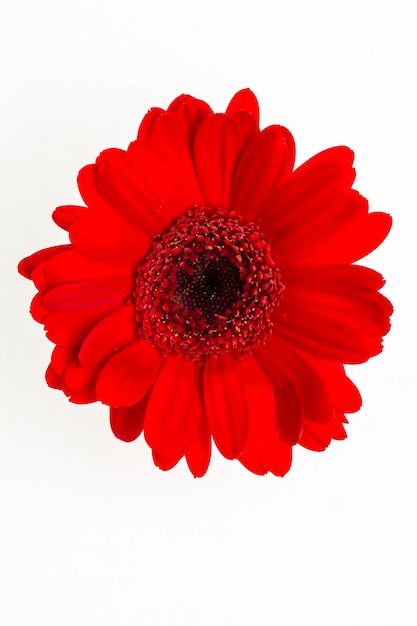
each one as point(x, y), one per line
point(211, 287)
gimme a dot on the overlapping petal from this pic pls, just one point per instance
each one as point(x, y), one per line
point(70, 266)
point(310, 192)
point(128, 375)
point(199, 451)
point(216, 151)
point(142, 187)
point(226, 405)
point(89, 294)
point(110, 334)
point(266, 448)
point(79, 382)
point(127, 422)
point(27, 265)
point(244, 100)
point(254, 184)
point(106, 240)
point(65, 216)
point(172, 415)
point(70, 328)
point(332, 311)
point(173, 138)
point(344, 235)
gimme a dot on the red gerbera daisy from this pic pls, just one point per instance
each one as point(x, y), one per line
point(208, 290)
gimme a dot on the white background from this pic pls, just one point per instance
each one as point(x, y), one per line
point(90, 531)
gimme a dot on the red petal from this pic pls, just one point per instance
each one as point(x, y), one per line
point(112, 333)
point(39, 279)
point(37, 309)
point(336, 429)
point(244, 100)
point(125, 379)
point(216, 151)
point(178, 101)
point(53, 379)
point(346, 328)
point(83, 397)
point(310, 192)
point(30, 263)
point(343, 279)
point(65, 216)
point(268, 159)
point(79, 380)
point(352, 240)
point(164, 460)
point(343, 392)
point(262, 415)
point(89, 294)
point(123, 183)
point(264, 450)
point(226, 405)
point(87, 185)
point(318, 436)
point(173, 138)
point(141, 187)
point(284, 366)
point(192, 111)
point(340, 232)
point(171, 420)
point(70, 266)
point(103, 187)
point(246, 127)
point(70, 329)
point(185, 427)
point(61, 357)
point(315, 437)
point(290, 412)
point(127, 421)
point(147, 124)
point(65, 373)
point(161, 187)
point(199, 451)
point(107, 240)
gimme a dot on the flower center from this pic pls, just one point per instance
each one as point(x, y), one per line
point(207, 287)
point(212, 288)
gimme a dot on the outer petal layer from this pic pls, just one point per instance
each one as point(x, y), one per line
point(333, 312)
point(216, 151)
point(226, 405)
point(266, 448)
point(127, 376)
point(254, 184)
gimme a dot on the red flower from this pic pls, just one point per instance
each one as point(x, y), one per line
point(208, 290)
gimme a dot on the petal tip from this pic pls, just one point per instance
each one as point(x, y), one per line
point(244, 100)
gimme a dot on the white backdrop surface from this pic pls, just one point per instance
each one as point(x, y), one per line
point(90, 531)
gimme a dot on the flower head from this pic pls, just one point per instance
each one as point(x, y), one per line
point(208, 290)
